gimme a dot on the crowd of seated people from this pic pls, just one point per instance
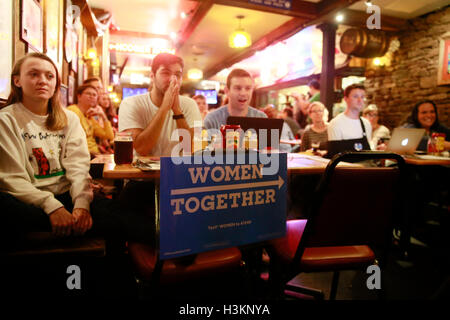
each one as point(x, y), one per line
point(87, 127)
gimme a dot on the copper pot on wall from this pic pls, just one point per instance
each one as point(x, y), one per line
point(364, 43)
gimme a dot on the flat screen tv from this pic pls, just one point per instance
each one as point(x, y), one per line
point(210, 95)
point(128, 92)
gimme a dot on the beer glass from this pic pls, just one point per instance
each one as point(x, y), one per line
point(123, 148)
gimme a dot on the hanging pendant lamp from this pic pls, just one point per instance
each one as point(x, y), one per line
point(240, 38)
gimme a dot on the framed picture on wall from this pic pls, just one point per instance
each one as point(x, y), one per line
point(31, 24)
point(74, 63)
point(63, 91)
point(52, 23)
point(71, 89)
point(6, 43)
point(444, 60)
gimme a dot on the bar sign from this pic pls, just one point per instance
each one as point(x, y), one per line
point(278, 4)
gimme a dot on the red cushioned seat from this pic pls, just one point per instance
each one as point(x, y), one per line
point(174, 270)
point(351, 211)
point(320, 258)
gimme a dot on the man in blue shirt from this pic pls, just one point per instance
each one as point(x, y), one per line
point(239, 89)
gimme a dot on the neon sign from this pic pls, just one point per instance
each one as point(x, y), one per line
point(141, 49)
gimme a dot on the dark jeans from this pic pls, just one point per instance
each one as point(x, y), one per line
point(113, 220)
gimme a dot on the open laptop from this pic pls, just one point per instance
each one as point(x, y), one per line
point(405, 140)
point(257, 124)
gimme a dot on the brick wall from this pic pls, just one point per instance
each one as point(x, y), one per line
point(412, 74)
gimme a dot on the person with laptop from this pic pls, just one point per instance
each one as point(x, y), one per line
point(239, 89)
point(348, 131)
point(425, 115)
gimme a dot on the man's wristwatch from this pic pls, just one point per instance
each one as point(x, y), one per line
point(178, 116)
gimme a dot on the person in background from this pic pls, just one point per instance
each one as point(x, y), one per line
point(239, 89)
point(44, 167)
point(380, 133)
point(106, 145)
point(314, 91)
point(301, 108)
point(288, 116)
point(86, 110)
point(314, 95)
point(315, 136)
point(96, 82)
point(104, 101)
point(425, 115)
point(273, 113)
point(348, 131)
point(202, 104)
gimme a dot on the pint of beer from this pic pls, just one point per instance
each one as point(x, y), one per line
point(123, 148)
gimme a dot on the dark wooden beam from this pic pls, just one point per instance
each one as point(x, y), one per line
point(200, 12)
point(299, 9)
point(282, 32)
point(327, 6)
point(328, 71)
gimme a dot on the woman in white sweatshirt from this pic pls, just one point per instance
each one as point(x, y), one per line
point(44, 159)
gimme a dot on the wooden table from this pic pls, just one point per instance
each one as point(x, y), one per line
point(291, 142)
point(427, 162)
point(297, 164)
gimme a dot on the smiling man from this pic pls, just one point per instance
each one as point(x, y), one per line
point(239, 90)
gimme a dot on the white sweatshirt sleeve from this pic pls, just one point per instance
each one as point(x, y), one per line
point(15, 172)
point(76, 162)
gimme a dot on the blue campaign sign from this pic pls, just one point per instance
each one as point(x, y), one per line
point(279, 4)
point(231, 202)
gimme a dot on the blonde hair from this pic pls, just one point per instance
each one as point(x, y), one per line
point(316, 103)
point(57, 118)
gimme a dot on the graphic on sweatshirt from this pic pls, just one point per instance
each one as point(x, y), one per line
point(42, 161)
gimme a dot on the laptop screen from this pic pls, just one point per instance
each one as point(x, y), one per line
point(405, 140)
point(257, 124)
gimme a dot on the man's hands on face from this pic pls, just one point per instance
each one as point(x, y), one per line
point(171, 94)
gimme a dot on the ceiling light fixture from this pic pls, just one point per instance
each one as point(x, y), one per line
point(369, 3)
point(195, 73)
point(339, 17)
point(240, 38)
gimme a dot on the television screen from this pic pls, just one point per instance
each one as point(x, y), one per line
point(210, 95)
point(128, 92)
